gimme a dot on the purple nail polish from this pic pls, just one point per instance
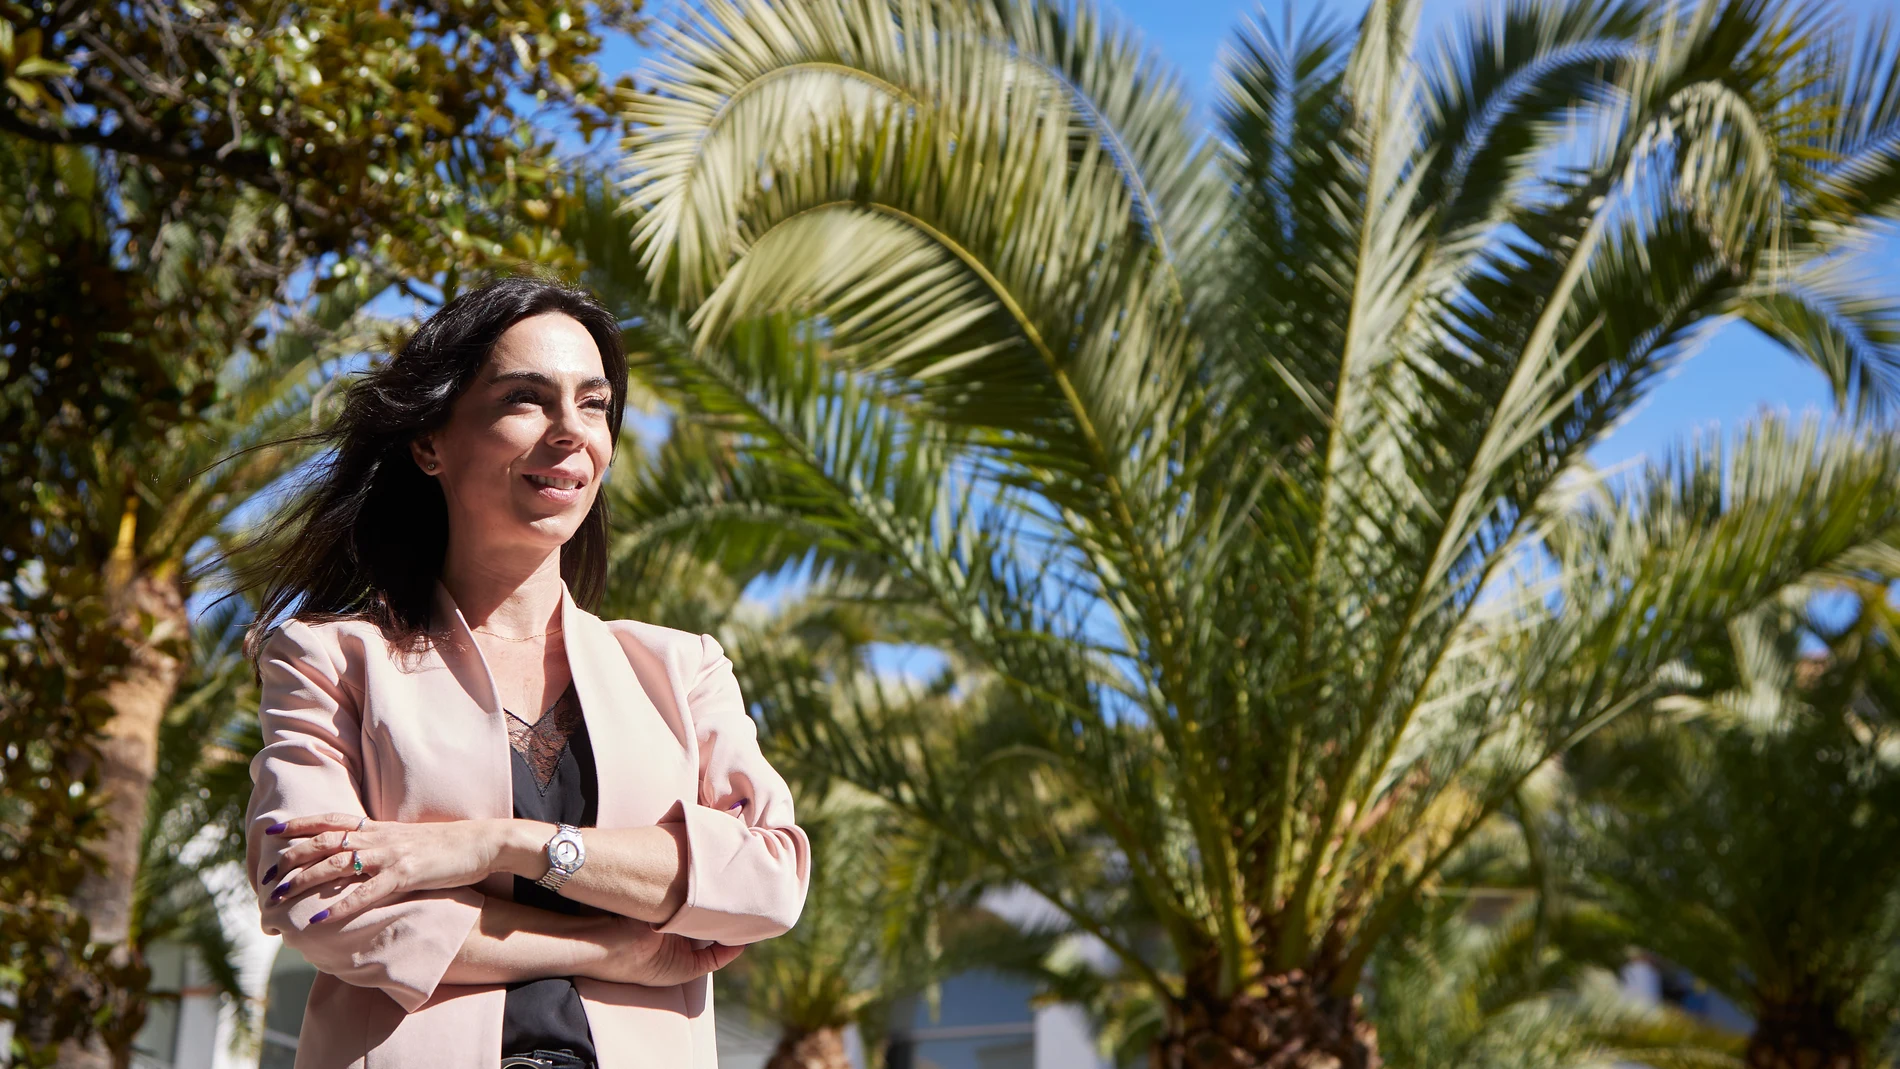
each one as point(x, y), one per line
point(269, 875)
point(279, 893)
point(319, 916)
point(275, 829)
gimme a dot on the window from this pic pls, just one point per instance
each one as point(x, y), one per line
point(985, 1022)
point(156, 1045)
point(290, 980)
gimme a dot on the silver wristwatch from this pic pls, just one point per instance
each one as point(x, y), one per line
point(566, 855)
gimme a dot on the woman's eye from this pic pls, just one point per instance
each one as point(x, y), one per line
point(596, 403)
point(520, 397)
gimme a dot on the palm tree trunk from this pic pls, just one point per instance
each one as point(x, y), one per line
point(1801, 1036)
point(1293, 1023)
point(819, 1049)
point(150, 617)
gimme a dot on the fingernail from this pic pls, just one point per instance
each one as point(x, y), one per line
point(275, 829)
point(269, 875)
point(279, 893)
point(319, 916)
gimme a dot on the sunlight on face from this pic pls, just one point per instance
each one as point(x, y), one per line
point(527, 443)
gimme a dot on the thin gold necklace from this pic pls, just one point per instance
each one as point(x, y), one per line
point(511, 638)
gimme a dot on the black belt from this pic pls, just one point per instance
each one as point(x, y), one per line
point(546, 1059)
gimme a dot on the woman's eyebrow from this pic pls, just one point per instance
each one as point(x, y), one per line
point(521, 376)
point(540, 379)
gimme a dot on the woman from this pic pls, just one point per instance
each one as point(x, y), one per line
point(501, 828)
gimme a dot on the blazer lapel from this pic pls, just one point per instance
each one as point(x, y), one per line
point(455, 642)
point(455, 645)
point(639, 763)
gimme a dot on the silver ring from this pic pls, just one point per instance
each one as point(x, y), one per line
point(356, 864)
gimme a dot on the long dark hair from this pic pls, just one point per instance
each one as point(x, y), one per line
point(366, 540)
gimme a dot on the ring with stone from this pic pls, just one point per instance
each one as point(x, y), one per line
point(356, 863)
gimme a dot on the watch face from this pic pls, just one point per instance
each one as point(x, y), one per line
point(566, 853)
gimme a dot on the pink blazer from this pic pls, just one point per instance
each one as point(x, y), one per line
point(351, 726)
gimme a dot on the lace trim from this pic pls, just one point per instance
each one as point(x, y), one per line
point(542, 743)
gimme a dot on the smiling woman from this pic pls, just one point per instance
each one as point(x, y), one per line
point(496, 824)
point(486, 371)
point(526, 441)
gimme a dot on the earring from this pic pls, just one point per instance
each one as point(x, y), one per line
point(431, 465)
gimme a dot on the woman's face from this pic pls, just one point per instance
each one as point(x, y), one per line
point(527, 443)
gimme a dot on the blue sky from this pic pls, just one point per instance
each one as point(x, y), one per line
point(1737, 374)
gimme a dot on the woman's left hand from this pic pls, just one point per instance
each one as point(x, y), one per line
point(396, 857)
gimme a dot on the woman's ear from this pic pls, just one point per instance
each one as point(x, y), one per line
point(423, 450)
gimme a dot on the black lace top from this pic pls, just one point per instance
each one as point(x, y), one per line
point(554, 781)
point(542, 743)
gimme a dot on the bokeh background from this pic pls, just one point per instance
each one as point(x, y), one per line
point(1316, 537)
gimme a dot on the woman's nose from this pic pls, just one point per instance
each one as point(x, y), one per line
point(566, 426)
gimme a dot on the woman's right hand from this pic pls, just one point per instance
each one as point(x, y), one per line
point(641, 955)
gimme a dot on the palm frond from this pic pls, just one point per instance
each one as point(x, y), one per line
point(1768, 894)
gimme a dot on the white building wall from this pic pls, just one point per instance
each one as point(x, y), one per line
point(234, 1047)
point(1064, 1039)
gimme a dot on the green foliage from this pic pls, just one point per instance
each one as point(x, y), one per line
point(177, 178)
point(1749, 831)
point(387, 130)
point(122, 513)
point(1249, 470)
point(1521, 994)
point(881, 924)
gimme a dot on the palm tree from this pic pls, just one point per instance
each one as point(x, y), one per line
point(1454, 995)
point(1753, 836)
point(1501, 969)
point(1251, 463)
point(195, 810)
point(880, 926)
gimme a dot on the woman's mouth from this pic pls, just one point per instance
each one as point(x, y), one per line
point(556, 489)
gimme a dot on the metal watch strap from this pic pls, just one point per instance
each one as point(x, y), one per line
point(556, 875)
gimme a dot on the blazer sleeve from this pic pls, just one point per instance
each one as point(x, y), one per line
point(312, 762)
point(748, 862)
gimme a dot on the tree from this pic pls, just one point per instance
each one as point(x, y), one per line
point(195, 811)
point(1750, 833)
point(1503, 967)
point(70, 673)
point(1455, 995)
point(881, 924)
point(1251, 463)
point(176, 175)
